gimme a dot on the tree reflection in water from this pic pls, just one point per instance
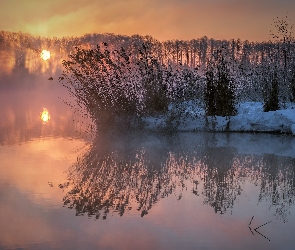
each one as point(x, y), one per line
point(114, 175)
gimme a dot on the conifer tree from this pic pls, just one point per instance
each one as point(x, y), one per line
point(220, 90)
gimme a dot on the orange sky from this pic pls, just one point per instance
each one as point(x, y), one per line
point(162, 19)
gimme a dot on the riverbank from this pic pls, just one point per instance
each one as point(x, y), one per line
point(250, 118)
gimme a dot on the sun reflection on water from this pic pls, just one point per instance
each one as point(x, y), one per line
point(45, 116)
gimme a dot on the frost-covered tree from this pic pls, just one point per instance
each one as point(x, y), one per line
point(153, 80)
point(284, 56)
point(219, 94)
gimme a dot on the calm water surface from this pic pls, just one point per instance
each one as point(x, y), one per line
point(61, 187)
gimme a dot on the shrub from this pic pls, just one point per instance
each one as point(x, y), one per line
point(103, 82)
point(114, 89)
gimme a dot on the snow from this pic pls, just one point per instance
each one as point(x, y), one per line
point(250, 118)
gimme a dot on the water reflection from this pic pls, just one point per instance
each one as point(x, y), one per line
point(45, 117)
point(120, 174)
point(29, 205)
point(24, 118)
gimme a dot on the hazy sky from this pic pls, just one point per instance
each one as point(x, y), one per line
point(162, 19)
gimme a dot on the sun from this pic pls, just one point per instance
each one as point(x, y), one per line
point(45, 117)
point(45, 54)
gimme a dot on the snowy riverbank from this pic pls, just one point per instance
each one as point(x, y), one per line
point(250, 118)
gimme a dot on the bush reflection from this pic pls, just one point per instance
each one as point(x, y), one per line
point(116, 175)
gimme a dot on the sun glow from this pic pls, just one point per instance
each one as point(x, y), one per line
point(45, 117)
point(45, 54)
